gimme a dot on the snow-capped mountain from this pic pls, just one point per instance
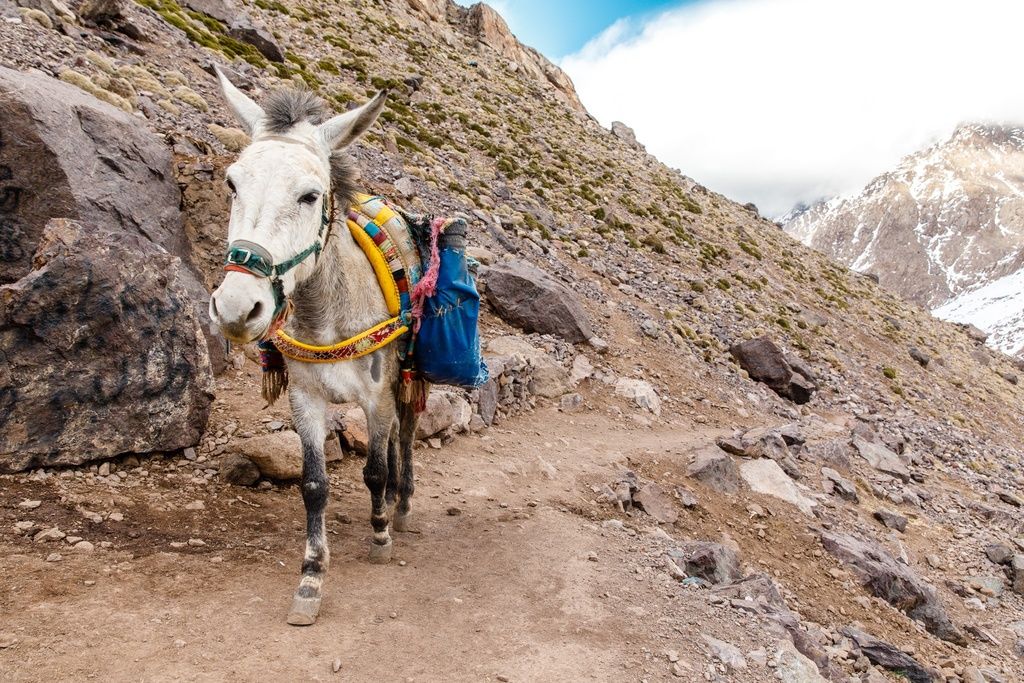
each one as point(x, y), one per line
point(944, 229)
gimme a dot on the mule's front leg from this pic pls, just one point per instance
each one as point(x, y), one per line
point(308, 417)
point(375, 475)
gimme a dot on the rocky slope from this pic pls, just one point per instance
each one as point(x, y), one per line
point(805, 456)
point(943, 229)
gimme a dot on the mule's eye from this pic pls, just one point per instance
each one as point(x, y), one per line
point(309, 198)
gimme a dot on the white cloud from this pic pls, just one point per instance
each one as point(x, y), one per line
point(780, 101)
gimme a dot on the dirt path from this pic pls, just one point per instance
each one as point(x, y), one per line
point(507, 588)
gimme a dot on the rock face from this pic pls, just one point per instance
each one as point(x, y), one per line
point(765, 362)
point(529, 298)
point(66, 154)
point(880, 573)
point(715, 469)
point(491, 30)
point(241, 26)
point(944, 229)
point(102, 353)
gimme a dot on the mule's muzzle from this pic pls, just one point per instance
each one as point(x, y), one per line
point(242, 308)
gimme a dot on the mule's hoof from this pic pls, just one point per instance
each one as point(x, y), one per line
point(304, 611)
point(402, 523)
point(380, 554)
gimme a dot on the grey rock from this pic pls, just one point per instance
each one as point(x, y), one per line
point(765, 362)
point(529, 298)
point(767, 477)
point(891, 519)
point(922, 358)
point(715, 469)
point(888, 656)
point(104, 353)
point(1017, 574)
point(445, 410)
point(726, 653)
point(881, 458)
point(655, 502)
point(239, 470)
point(999, 553)
point(894, 582)
point(77, 157)
point(712, 562)
point(841, 486)
point(641, 393)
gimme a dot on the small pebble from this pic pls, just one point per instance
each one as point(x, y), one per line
point(54, 557)
point(401, 563)
point(30, 504)
point(454, 511)
point(196, 505)
point(115, 517)
point(336, 665)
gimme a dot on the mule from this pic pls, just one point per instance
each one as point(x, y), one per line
point(286, 186)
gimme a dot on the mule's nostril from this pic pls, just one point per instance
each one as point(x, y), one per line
point(255, 312)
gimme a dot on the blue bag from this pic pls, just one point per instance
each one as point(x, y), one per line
point(446, 306)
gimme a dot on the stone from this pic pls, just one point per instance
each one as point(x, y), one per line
point(445, 410)
point(726, 653)
point(712, 562)
point(835, 453)
point(891, 519)
point(527, 297)
point(355, 431)
point(624, 133)
point(111, 15)
point(63, 167)
point(655, 502)
point(548, 378)
point(570, 403)
point(84, 547)
point(277, 455)
point(257, 35)
point(406, 187)
point(582, 369)
point(791, 666)
point(487, 400)
point(239, 470)
point(715, 469)
point(881, 458)
point(765, 362)
point(887, 656)
point(884, 577)
point(767, 477)
point(641, 393)
point(1017, 574)
point(122, 366)
point(922, 358)
point(841, 486)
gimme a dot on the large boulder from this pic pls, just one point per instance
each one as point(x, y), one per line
point(101, 352)
point(765, 362)
point(878, 571)
point(66, 154)
point(529, 298)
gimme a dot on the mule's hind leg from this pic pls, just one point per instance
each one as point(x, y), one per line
point(308, 416)
point(407, 419)
point(375, 475)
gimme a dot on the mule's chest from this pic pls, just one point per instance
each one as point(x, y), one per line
point(360, 380)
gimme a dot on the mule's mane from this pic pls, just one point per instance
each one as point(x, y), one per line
point(289, 107)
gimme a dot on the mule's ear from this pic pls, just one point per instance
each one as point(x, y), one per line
point(343, 129)
point(248, 113)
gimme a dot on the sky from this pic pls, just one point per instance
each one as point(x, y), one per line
point(784, 101)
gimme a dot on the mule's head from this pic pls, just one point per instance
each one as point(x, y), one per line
point(281, 188)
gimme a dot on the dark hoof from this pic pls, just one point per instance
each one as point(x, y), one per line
point(380, 554)
point(304, 611)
